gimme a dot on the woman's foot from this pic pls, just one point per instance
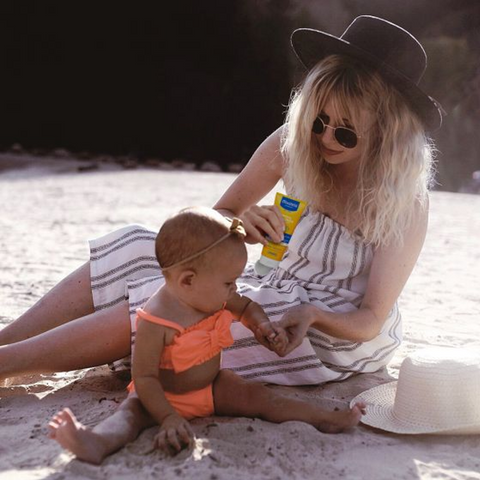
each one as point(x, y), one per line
point(336, 422)
point(75, 437)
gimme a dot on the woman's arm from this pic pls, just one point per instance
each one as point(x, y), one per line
point(390, 270)
point(259, 176)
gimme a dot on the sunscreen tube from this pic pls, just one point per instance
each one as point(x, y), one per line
point(272, 253)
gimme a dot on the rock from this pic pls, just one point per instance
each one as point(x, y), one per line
point(165, 166)
point(88, 167)
point(130, 164)
point(153, 162)
point(39, 152)
point(189, 167)
point(61, 153)
point(235, 167)
point(85, 155)
point(210, 167)
point(106, 159)
point(179, 164)
point(17, 149)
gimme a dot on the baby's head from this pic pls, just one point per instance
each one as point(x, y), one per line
point(201, 254)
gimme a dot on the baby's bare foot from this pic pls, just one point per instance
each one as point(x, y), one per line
point(336, 422)
point(75, 437)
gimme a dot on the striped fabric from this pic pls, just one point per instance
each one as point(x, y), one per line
point(326, 265)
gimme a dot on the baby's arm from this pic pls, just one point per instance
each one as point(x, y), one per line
point(149, 344)
point(252, 316)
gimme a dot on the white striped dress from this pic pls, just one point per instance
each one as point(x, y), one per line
point(326, 265)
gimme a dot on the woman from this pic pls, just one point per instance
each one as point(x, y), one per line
point(354, 147)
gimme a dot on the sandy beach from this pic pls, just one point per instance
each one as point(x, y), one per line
point(50, 209)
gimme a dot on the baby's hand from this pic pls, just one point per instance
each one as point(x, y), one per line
point(280, 341)
point(175, 434)
point(272, 337)
point(265, 333)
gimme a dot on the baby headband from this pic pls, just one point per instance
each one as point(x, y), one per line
point(236, 228)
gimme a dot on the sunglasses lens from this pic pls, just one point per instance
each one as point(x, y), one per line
point(345, 137)
point(318, 126)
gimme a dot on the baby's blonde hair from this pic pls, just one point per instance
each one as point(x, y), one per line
point(192, 230)
point(395, 170)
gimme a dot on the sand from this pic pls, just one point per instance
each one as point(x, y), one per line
point(49, 209)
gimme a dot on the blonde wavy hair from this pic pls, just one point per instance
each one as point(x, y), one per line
point(395, 170)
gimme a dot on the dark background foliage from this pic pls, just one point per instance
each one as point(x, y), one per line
point(207, 80)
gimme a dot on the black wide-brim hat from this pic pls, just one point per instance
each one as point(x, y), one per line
point(389, 49)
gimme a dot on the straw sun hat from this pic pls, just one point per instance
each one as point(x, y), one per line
point(392, 51)
point(437, 392)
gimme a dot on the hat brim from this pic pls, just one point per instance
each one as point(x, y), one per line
point(379, 414)
point(311, 46)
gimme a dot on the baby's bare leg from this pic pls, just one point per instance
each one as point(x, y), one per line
point(234, 396)
point(69, 299)
point(113, 433)
point(96, 339)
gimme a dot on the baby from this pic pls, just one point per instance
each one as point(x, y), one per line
point(181, 331)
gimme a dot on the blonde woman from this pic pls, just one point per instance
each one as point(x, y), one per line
point(354, 146)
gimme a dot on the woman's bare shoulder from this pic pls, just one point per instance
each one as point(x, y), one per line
point(269, 153)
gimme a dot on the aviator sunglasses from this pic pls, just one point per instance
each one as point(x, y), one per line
point(346, 137)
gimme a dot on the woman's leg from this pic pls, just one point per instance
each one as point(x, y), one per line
point(113, 433)
point(68, 300)
point(95, 339)
point(235, 397)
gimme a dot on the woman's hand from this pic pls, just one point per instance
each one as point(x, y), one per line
point(296, 322)
point(263, 220)
point(175, 434)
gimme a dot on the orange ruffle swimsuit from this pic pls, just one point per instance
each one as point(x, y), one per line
point(192, 346)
